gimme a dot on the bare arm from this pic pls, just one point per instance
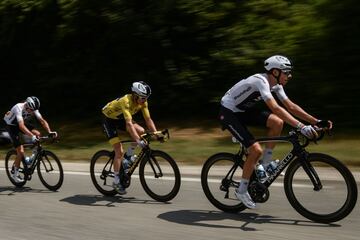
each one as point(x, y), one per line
point(45, 124)
point(24, 129)
point(297, 111)
point(150, 124)
point(131, 130)
point(282, 113)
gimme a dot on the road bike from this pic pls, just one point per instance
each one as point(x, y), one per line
point(47, 164)
point(158, 172)
point(318, 186)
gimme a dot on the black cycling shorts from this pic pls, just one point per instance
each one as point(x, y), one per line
point(237, 122)
point(111, 126)
point(15, 133)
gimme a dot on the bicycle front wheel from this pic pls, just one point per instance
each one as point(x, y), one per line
point(331, 199)
point(102, 172)
point(160, 176)
point(219, 178)
point(50, 171)
point(10, 168)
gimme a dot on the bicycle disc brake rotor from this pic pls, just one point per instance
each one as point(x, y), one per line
point(259, 192)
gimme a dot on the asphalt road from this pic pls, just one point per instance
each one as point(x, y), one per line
point(78, 211)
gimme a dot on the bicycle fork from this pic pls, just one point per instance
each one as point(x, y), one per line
point(310, 171)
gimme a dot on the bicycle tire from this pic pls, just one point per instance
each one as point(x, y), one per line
point(236, 205)
point(170, 172)
point(101, 184)
point(46, 164)
point(9, 162)
point(318, 159)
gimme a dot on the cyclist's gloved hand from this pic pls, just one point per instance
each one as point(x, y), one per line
point(160, 138)
point(309, 132)
point(142, 143)
point(53, 134)
point(34, 139)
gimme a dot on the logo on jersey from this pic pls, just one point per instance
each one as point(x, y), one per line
point(243, 92)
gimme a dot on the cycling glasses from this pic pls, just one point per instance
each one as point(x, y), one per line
point(141, 98)
point(286, 72)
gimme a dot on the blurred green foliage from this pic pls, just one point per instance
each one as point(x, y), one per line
point(77, 55)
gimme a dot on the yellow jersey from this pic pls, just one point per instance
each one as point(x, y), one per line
point(126, 107)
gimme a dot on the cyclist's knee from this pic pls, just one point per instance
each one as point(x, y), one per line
point(275, 122)
point(139, 129)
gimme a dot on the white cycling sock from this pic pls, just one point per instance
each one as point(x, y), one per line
point(116, 178)
point(243, 185)
point(267, 156)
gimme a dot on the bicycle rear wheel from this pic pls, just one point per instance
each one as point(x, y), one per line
point(336, 196)
point(160, 176)
point(218, 185)
point(102, 172)
point(50, 171)
point(9, 167)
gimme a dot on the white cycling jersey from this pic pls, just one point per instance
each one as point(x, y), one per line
point(244, 94)
point(18, 113)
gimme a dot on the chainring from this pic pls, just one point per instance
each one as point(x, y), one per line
point(258, 192)
point(124, 179)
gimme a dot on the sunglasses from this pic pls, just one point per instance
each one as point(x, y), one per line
point(142, 98)
point(286, 72)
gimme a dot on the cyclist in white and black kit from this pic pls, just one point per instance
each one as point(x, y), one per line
point(237, 112)
point(18, 120)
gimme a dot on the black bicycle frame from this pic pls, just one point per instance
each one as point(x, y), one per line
point(297, 151)
point(143, 152)
point(30, 169)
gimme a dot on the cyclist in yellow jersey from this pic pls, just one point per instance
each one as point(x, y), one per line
point(117, 114)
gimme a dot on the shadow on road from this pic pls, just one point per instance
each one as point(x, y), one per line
point(202, 219)
point(105, 201)
point(13, 190)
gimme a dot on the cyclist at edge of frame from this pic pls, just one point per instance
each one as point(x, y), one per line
point(19, 120)
point(117, 114)
point(237, 112)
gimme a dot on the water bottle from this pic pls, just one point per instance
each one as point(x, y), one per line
point(29, 160)
point(272, 166)
point(260, 172)
point(128, 161)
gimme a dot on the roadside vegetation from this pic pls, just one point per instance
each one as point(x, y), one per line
point(190, 145)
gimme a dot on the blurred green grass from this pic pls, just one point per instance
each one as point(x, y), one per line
point(189, 145)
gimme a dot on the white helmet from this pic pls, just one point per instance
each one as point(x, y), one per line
point(278, 62)
point(33, 103)
point(141, 89)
